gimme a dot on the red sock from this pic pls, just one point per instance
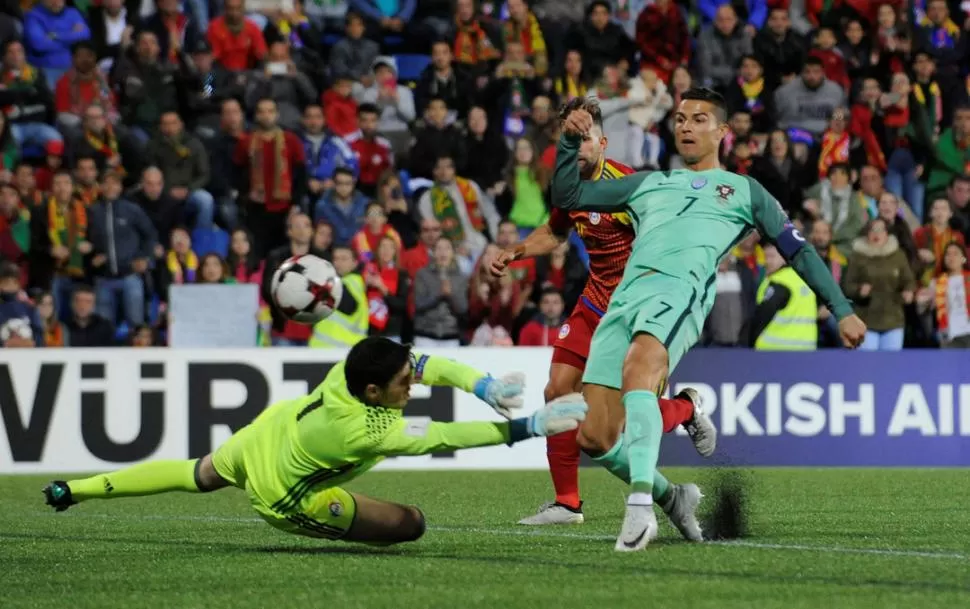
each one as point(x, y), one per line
point(675, 412)
point(562, 450)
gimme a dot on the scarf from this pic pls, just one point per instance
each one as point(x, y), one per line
point(175, 26)
point(54, 335)
point(472, 44)
point(290, 30)
point(68, 230)
point(942, 286)
point(103, 91)
point(944, 36)
point(445, 209)
point(936, 110)
point(896, 117)
point(752, 94)
point(835, 149)
point(531, 38)
point(14, 80)
point(518, 107)
point(379, 313)
point(19, 227)
point(836, 262)
point(835, 217)
point(365, 242)
point(108, 146)
point(88, 195)
point(282, 181)
point(569, 89)
point(175, 267)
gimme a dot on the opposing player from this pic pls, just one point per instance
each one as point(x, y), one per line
point(608, 239)
point(685, 222)
point(293, 459)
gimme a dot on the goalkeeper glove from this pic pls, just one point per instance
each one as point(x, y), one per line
point(503, 394)
point(559, 415)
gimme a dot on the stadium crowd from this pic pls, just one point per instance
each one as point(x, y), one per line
point(151, 143)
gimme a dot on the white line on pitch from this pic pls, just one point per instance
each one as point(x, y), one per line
point(564, 535)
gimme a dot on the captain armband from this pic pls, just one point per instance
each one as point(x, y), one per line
point(789, 241)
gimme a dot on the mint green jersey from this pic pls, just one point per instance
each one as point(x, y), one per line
point(686, 221)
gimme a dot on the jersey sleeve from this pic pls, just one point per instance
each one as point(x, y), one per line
point(559, 222)
point(773, 224)
point(570, 191)
point(436, 371)
point(417, 437)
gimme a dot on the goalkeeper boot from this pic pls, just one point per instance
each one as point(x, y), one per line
point(700, 428)
point(555, 513)
point(681, 508)
point(639, 528)
point(57, 494)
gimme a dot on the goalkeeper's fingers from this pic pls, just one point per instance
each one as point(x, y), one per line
point(556, 426)
point(513, 384)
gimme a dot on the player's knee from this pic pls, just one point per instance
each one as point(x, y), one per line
point(595, 442)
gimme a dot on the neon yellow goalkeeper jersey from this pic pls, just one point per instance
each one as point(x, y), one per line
point(329, 437)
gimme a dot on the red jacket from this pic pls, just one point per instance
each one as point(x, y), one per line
point(412, 261)
point(340, 112)
point(663, 39)
point(374, 157)
point(835, 69)
point(537, 334)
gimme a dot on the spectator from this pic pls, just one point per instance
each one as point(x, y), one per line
point(98, 140)
point(949, 295)
point(898, 225)
point(512, 90)
point(416, 258)
point(431, 21)
point(958, 193)
point(833, 200)
point(55, 335)
point(465, 213)
point(932, 239)
point(780, 49)
point(867, 123)
point(174, 30)
point(572, 83)
point(222, 185)
point(14, 226)
point(522, 198)
point(892, 43)
point(214, 270)
point(395, 101)
point(385, 18)
point(210, 86)
point(181, 265)
point(433, 136)
point(50, 28)
point(242, 261)
point(601, 41)
point(835, 144)
point(330, 16)
point(652, 103)
point(20, 325)
point(342, 206)
point(85, 328)
point(81, 86)
point(721, 48)
point(348, 324)
point(354, 55)
point(340, 107)
point(753, 12)
point(614, 100)
point(909, 139)
point(544, 328)
point(833, 62)
point(880, 283)
point(164, 212)
point(324, 152)
point(542, 123)
point(494, 304)
point(734, 304)
point(303, 39)
point(522, 272)
point(952, 155)
point(805, 103)
point(299, 232)
point(112, 26)
point(749, 92)
point(148, 88)
point(323, 238)
point(785, 318)
point(662, 38)
point(928, 94)
point(376, 228)
point(856, 50)
point(373, 153)
point(399, 211)
point(440, 80)
point(871, 189)
point(185, 165)
point(237, 43)
point(86, 185)
point(273, 176)
point(563, 270)
point(32, 182)
point(387, 291)
point(282, 82)
point(780, 173)
point(522, 26)
point(440, 299)
point(472, 47)
point(9, 151)
point(60, 241)
point(26, 99)
point(142, 336)
point(120, 256)
point(821, 238)
point(941, 37)
point(488, 149)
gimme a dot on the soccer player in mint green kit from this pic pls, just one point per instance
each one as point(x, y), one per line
point(686, 221)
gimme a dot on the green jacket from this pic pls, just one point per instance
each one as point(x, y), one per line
point(887, 270)
point(949, 161)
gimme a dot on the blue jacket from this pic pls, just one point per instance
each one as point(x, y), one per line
point(334, 152)
point(17, 317)
point(123, 232)
point(50, 37)
point(757, 11)
point(344, 226)
point(371, 9)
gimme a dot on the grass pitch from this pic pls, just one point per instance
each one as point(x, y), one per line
point(818, 539)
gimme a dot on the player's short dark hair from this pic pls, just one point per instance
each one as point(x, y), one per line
point(438, 41)
point(345, 171)
point(551, 290)
point(438, 98)
point(368, 109)
point(353, 16)
point(844, 167)
point(374, 361)
point(583, 103)
point(82, 288)
point(958, 178)
point(751, 57)
point(710, 96)
point(85, 157)
point(9, 270)
point(82, 45)
point(812, 60)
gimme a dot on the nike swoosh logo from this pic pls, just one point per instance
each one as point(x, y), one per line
point(667, 184)
point(633, 544)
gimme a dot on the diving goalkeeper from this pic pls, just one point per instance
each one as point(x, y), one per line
point(294, 457)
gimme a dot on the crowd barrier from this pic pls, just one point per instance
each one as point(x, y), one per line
point(79, 410)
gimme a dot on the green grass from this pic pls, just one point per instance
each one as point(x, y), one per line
point(826, 539)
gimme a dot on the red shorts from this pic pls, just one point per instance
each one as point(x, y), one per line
point(572, 347)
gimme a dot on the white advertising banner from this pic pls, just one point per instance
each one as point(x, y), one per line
point(205, 316)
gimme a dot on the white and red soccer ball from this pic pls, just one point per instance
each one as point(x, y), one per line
point(306, 289)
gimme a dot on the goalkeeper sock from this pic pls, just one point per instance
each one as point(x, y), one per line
point(562, 450)
point(617, 462)
point(644, 429)
point(144, 479)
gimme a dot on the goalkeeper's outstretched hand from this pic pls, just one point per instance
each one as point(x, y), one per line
point(503, 394)
point(562, 414)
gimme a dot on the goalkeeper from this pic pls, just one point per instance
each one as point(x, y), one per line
point(294, 458)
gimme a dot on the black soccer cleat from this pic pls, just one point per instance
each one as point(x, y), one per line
point(57, 494)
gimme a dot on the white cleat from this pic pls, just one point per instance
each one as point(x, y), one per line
point(681, 509)
point(700, 428)
point(639, 529)
point(554, 513)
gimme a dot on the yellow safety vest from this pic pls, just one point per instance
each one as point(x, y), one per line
point(794, 327)
point(341, 331)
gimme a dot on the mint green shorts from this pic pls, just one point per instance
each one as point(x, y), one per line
point(668, 308)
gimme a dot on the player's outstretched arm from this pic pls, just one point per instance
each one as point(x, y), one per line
point(540, 242)
point(570, 191)
point(503, 394)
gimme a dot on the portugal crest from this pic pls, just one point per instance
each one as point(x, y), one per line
point(724, 191)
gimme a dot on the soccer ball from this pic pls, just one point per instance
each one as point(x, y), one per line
point(306, 289)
